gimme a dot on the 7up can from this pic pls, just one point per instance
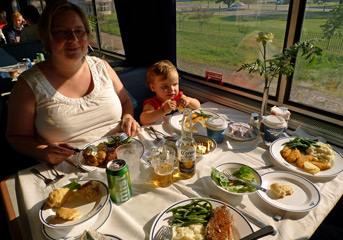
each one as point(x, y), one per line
point(118, 178)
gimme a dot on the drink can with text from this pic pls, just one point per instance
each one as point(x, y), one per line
point(118, 178)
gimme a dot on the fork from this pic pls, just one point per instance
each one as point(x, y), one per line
point(58, 176)
point(46, 180)
point(230, 177)
point(164, 233)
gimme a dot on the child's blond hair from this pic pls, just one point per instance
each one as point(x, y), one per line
point(162, 69)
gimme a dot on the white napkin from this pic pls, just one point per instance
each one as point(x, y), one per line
point(233, 145)
point(301, 133)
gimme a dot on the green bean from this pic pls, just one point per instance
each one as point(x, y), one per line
point(194, 212)
point(301, 143)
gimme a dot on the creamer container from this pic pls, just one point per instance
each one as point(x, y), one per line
point(216, 127)
point(274, 126)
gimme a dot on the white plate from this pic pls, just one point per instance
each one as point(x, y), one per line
point(85, 166)
point(305, 197)
point(75, 232)
point(240, 229)
point(88, 209)
point(231, 167)
point(276, 147)
point(175, 119)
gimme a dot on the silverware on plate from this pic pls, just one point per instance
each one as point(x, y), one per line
point(164, 233)
point(259, 233)
point(230, 177)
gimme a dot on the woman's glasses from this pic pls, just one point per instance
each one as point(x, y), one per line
point(67, 33)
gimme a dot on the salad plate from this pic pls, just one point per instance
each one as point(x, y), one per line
point(176, 120)
point(85, 166)
point(88, 209)
point(232, 167)
point(305, 197)
point(74, 233)
point(240, 228)
point(275, 150)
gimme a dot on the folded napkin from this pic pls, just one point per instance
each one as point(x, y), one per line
point(301, 133)
point(233, 145)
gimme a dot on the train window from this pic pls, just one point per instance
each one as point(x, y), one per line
point(321, 86)
point(218, 38)
point(108, 26)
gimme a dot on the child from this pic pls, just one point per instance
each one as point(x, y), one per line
point(163, 79)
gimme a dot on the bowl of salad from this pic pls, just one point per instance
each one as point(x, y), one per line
point(240, 171)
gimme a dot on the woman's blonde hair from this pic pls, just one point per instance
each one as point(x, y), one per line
point(162, 69)
point(52, 9)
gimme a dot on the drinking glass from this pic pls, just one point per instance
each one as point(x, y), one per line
point(131, 153)
point(162, 162)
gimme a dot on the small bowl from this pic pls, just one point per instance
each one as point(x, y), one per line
point(204, 139)
point(232, 167)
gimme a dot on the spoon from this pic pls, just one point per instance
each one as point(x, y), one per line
point(58, 176)
point(169, 138)
point(46, 180)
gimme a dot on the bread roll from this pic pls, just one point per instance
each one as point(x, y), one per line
point(281, 190)
point(58, 197)
point(68, 214)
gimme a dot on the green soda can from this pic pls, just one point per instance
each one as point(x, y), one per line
point(40, 57)
point(118, 178)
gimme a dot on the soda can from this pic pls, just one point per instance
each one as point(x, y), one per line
point(118, 178)
point(40, 57)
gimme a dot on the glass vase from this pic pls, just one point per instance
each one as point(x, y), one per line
point(264, 102)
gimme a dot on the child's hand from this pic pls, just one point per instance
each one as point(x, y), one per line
point(184, 101)
point(169, 105)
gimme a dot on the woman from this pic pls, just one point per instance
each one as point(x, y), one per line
point(70, 99)
point(13, 31)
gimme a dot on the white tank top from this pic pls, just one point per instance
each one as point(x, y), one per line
point(76, 121)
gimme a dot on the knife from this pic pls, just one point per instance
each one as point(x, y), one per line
point(247, 215)
point(260, 233)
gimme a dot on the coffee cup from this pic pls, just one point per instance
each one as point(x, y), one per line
point(274, 126)
point(216, 127)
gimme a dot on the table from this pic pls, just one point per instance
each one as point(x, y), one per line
point(134, 218)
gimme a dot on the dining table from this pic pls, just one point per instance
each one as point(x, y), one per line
point(25, 193)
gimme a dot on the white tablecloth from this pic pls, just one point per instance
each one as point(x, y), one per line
point(134, 218)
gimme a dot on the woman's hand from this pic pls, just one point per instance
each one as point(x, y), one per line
point(56, 153)
point(130, 126)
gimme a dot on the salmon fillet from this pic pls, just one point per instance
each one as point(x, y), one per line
point(220, 225)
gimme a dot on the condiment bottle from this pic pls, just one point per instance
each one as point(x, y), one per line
point(186, 147)
point(254, 120)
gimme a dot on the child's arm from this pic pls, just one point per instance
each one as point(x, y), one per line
point(189, 102)
point(150, 115)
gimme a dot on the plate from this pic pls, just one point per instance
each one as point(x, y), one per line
point(240, 131)
point(85, 166)
point(276, 147)
point(305, 197)
point(175, 119)
point(241, 226)
point(74, 233)
point(201, 138)
point(234, 167)
point(87, 209)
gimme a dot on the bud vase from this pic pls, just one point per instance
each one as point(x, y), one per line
point(264, 102)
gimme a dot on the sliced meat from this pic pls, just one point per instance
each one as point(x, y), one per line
point(220, 225)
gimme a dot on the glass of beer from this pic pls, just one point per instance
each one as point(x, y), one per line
point(162, 162)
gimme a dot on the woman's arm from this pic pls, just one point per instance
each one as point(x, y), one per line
point(21, 132)
point(129, 125)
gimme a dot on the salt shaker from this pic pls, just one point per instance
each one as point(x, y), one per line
point(254, 120)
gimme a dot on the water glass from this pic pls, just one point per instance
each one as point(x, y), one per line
point(131, 153)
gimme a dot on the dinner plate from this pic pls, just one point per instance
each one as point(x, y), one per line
point(88, 209)
point(240, 229)
point(176, 120)
point(275, 150)
point(305, 197)
point(85, 166)
point(231, 167)
point(75, 232)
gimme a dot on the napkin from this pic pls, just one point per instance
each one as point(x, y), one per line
point(301, 133)
point(233, 145)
